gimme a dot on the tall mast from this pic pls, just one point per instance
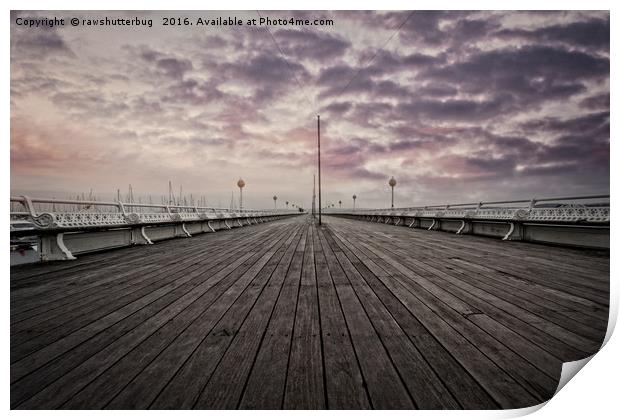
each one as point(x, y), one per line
point(313, 195)
point(318, 132)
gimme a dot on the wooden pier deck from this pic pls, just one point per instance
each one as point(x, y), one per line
point(291, 315)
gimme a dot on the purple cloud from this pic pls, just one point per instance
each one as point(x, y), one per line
point(457, 106)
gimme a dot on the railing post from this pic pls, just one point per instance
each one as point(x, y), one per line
point(52, 247)
point(121, 207)
point(29, 206)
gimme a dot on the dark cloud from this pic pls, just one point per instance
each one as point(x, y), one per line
point(457, 103)
point(515, 78)
point(437, 89)
point(593, 33)
point(343, 161)
point(383, 61)
point(590, 123)
point(371, 114)
point(423, 27)
point(267, 69)
point(452, 109)
point(466, 30)
point(338, 108)
point(358, 83)
point(337, 75)
point(267, 75)
point(191, 91)
point(513, 145)
point(522, 71)
point(39, 42)
point(580, 154)
point(173, 67)
point(493, 166)
point(169, 66)
point(596, 102)
point(426, 27)
point(215, 42)
point(369, 76)
point(310, 45)
point(145, 106)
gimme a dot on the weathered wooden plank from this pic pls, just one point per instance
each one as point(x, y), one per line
point(504, 256)
point(48, 294)
point(86, 290)
point(38, 379)
point(210, 332)
point(586, 309)
point(52, 330)
point(154, 358)
point(511, 253)
point(225, 387)
point(425, 387)
point(267, 381)
point(465, 287)
point(89, 329)
point(344, 383)
point(493, 275)
point(458, 380)
point(385, 387)
point(173, 319)
point(349, 315)
point(66, 278)
point(504, 389)
point(304, 378)
point(213, 261)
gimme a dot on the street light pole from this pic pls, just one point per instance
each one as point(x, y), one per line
point(241, 184)
point(275, 198)
point(318, 132)
point(392, 183)
point(354, 198)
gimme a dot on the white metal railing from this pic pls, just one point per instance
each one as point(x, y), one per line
point(58, 213)
point(591, 208)
point(52, 229)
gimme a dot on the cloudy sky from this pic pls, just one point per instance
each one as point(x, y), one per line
point(455, 105)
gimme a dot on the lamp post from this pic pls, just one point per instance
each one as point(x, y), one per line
point(392, 183)
point(354, 198)
point(275, 198)
point(241, 184)
point(340, 203)
point(287, 204)
point(318, 134)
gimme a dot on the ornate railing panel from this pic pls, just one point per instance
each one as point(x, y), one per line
point(102, 214)
point(580, 221)
point(62, 228)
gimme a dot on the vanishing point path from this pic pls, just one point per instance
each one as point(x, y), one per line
point(288, 314)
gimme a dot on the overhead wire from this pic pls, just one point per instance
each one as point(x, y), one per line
point(301, 85)
point(304, 88)
point(372, 59)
